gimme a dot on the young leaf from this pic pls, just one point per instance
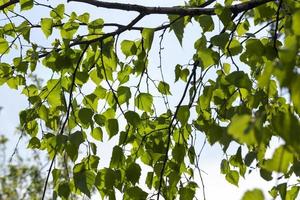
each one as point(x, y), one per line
point(64, 190)
point(206, 23)
point(68, 30)
point(133, 173)
point(47, 25)
point(117, 157)
point(84, 18)
point(144, 102)
point(239, 128)
point(128, 48)
point(97, 133)
point(135, 193)
point(256, 194)
point(233, 177)
point(177, 26)
point(239, 79)
point(124, 94)
point(26, 4)
point(147, 35)
point(296, 23)
point(164, 88)
point(178, 153)
point(280, 160)
point(85, 116)
point(132, 118)
point(149, 179)
point(84, 181)
point(112, 127)
point(3, 46)
point(183, 114)
point(58, 12)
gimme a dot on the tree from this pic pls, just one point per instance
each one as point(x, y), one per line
point(241, 89)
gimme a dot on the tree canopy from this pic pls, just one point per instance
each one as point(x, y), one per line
point(241, 88)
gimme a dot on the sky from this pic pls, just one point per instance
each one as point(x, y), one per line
point(216, 187)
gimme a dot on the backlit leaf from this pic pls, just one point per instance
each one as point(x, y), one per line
point(3, 46)
point(233, 177)
point(133, 173)
point(26, 4)
point(144, 102)
point(47, 24)
point(112, 127)
point(256, 194)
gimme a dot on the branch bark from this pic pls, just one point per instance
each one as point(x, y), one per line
point(11, 2)
point(183, 11)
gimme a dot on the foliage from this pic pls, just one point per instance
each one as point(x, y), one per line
point(253, 97)
point(19, 180)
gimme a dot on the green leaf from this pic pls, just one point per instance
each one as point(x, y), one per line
point(208, 57)
point(128, 48)
point(177, 26)
point(296, 23)
point(54, 98)
point(64, 190)
point(112, 127)
point(292, 194)
point(178, 153)
point(135, 193)
point(186, 193)
point(183, 114)
point(3, 46)
point(256, 194)
point(97, 133)
point(144, 102)
point(267, 175)
point(223, 13)
point(47, 25)
point(239, 79)
point(84, 181)
point(192, 154)
point(58, 12)
point(206, 23)
point(234, 48)
point(282, 190)
point(133, 118)
point(77, 138)
point(69, 29)
point(149, 179)
point(220, 40)
point(233, 177)
point(240, 129)
point(225, 168)
point(147, 35)
point(26, 4)
point(34, 143)
point(117, 157)
point(95, 26)
point(242, 28)
point(105, 179)
point(84, 18)
point(55, 175)
point(85, 116)
point(133, 173)
point(91, 101)
point(124, 94)
point(164, 88)
point(280, 161)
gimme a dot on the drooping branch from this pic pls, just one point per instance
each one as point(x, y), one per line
point(176, 10)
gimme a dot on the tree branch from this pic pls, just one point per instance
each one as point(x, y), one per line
point(183, 11)
point(3, 6)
